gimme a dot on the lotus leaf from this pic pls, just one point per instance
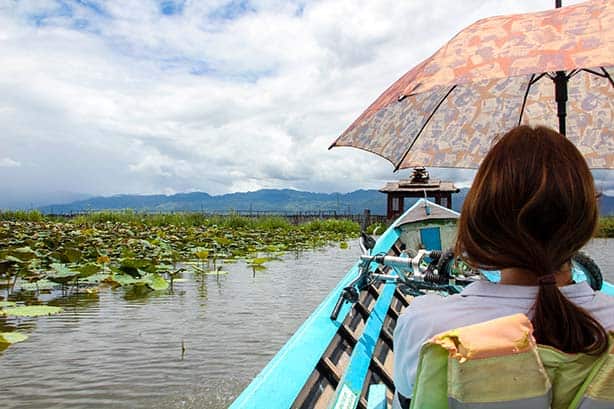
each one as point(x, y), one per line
point(95, 278)
point(4, 304)
point(13, 260)
point(43, 284)
point(88, 232)
point(12, 337)
point(134, 266)
point(24, 253)
point(31, 311)
point(121, 279)
point(71, 255)
point(87, 270)
point(202, 254)
point(343, 245)
point(223, 241)
point(216, 272)
point(258, 261)
point(155, 281)
point(62, 274)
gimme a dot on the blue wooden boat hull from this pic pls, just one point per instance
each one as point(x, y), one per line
point(333, 364)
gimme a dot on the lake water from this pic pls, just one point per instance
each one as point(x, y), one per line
point(111, 351)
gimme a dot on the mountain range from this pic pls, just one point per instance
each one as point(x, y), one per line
point(265, 200)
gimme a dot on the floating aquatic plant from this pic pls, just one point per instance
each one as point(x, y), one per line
point(30, 311)
point(12, 337)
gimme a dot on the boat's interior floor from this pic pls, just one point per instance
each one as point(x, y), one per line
point(321, 387)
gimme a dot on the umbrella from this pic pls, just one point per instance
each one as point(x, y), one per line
point(552, 67)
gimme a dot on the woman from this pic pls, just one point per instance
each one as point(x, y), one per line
point(532, 205)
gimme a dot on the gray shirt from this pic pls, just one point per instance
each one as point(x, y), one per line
point(481, 301)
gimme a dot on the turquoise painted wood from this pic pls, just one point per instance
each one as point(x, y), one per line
point(431, 238)
point(350, 386)
point(280, 382)
point(377, 397)
point(607, 288)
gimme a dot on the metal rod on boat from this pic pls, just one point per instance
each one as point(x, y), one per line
point(386, 277)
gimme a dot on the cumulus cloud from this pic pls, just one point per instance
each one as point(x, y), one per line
point(148, 97)
point(9, 163)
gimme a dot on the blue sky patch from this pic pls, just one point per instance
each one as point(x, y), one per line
point(170, 7)
point(68, 10)
point(201, 68)
point(232, 10)
point(300, 10)
point(251, 76)
point(93, 6)
point(80, 24)
point(63, 9)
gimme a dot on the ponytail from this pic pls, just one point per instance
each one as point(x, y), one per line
point(563, 325)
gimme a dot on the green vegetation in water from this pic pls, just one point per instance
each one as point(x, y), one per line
point(376, 228)
point(140, 253)
point(606, 227)
point(30, 311)
point(11, 338)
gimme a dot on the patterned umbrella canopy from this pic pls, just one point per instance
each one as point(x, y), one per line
point(496, 74)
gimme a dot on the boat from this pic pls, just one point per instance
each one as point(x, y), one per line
point(341, 356)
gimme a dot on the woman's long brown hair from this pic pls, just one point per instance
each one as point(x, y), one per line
point(531, 206)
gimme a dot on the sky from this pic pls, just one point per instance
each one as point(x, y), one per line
point(124, 96)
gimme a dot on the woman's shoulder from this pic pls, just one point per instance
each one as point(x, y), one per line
point(428, 314)
point(604, 298)
point(436, 302)
point(480, 301)
point(602, 308)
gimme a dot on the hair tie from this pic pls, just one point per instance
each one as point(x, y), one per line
point(548, 279)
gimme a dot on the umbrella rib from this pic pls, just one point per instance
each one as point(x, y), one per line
point(422, 128)
point(573, 73)
point(594, 72)
point(526, 95)
point(607, 74)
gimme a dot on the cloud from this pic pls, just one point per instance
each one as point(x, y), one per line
point(9, 163)
point(146, 97)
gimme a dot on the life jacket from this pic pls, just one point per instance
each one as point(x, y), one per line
point(497, 364)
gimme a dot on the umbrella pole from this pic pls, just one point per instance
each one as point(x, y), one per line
point(560, 89)
point(560, 94)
